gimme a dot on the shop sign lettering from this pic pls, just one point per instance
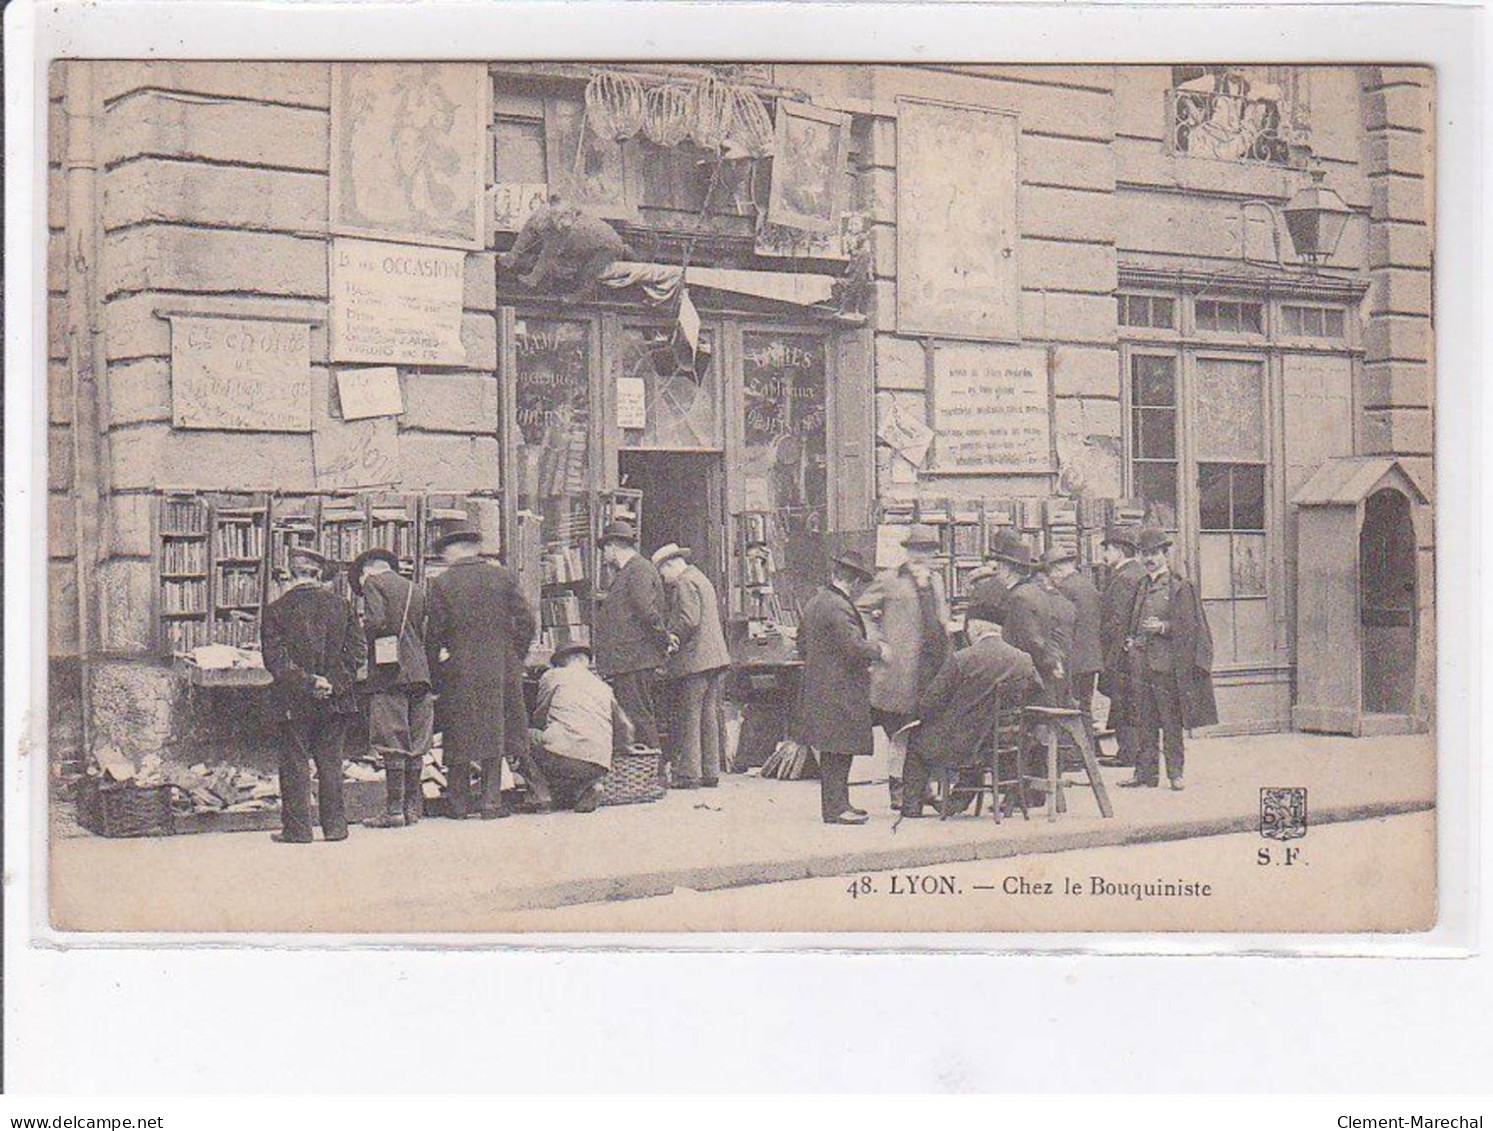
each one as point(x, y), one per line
point(240, 374)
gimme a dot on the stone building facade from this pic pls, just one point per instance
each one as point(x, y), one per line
point(1148, 263)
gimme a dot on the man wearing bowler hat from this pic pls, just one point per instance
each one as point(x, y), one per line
point(401, 709)
point(1115, 603)
point(578, 726)
point(313, 647)
point(910, 610)
point(835, 694)
point(632, 636)
point(480, 623)
point(697, 668)
point(1171, 655)
point(1006, 579)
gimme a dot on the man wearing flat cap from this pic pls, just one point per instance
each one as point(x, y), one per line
point(1171, 657)
point(1115, 603)
point(958, 710)
point(480, 623)
point(632, 636)
point(313, 647)
point(696, 669)
point(578, 727)
point(910, 611)
point(1006, 580)
point(835, 693)
point(401, 708)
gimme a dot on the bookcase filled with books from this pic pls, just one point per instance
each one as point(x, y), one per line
point(184, 609)
point(239, 524)
point(572, 578)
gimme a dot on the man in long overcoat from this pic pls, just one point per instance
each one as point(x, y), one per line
point(835, 695)
point(909, 609)
point(1171, 659)
point(697, 668)
point(479, 621)
point(313, 646)
point(401, 707)
point(632, 637)
point(1085, 655)
point(1115, 603)
point(1006, 579)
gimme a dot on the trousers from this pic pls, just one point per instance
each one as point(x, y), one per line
point(1083, 684)
point(566, 778)
point(459, 782)
point(637, 695)
point(834, 783)
point(1159, 722)
point(318, 739)
point(699, 726)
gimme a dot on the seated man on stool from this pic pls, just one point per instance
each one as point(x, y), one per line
point(959, 709)
point(578, 725)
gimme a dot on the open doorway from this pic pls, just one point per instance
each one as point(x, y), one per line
point(1386, 560)
point(681, 503)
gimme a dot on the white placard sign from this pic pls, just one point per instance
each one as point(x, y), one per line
point(396, 304)
point(369, 392)
point(992, 410)
point(240, 375)
point(632, 402)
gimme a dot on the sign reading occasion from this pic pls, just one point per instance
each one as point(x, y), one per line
point(396, 304)
point(991, 410)
point(240, 375)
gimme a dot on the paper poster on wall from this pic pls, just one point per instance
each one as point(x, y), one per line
point(956, 222)
point(808, 168)
point(240, 375)
point(408, 149)
point(396, 304)
point(632, 402)
point(369, 392)
point(991, 409)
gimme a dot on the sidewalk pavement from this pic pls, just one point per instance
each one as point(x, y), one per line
point(446, 876)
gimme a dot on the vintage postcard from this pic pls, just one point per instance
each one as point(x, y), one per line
point(498, 497)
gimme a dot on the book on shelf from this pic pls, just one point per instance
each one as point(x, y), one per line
point(184, 557)
point(184, 596)
point(239, 538)
point(183, 516)
point(184, 635)
point(754, 529)
point(238, 587)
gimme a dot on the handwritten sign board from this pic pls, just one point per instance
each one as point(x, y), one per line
point(240, 375)
point(396, 304)
point(632, 402)
point(355, 453)
point(407, 151)
point(957, 235)
point(369, 392)
point(992, 410)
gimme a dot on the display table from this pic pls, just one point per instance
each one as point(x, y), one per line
point(768, 693)
point(198, 676)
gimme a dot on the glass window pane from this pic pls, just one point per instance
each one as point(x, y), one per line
point(1254, 632)
point(1213, 496)
point(1220, 616)
point(1213, 566)
point(1157, 438)
point(1153, 380)
point(519, 149)
point(1207, 315)
point(1230, 410)
point(553, 409)
point(1163, 314)
point(1251, 317)
point(1249, 498)
point(1156, 484)
point(1290, 320)
point(1122, 309)
point(1228, 316)
point(681, 405)
point(1334, 324)
point(1247, 573)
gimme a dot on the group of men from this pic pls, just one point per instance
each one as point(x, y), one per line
point(879, 650)
point(450, 654)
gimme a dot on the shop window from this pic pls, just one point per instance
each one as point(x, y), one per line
point(1153, 312)
point(1313, 322)
point(785, 469)
point(679, 178)
point(1230, 317)
point(553, 410)
point(1229, 433)
point(681, 401)
point(518, 146)
point(1153, 435)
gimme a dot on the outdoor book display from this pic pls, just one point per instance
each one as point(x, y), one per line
point(572, 578)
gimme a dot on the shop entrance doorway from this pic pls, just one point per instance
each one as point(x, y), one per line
point(682, 502)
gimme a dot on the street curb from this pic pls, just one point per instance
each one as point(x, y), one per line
point(718, 877)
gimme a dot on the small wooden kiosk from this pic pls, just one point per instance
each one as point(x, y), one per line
point(1356, 606)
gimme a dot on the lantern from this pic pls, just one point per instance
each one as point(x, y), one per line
point(1315, 219)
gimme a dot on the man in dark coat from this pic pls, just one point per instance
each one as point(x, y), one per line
point(401, 708)
point(1085, 657)
point(1006, 579)
point(632, 637)
point(835, 695)
point(479, 621)
point(1115, 603)
point(958, 711)
point(313, 646)
point(1171, 656)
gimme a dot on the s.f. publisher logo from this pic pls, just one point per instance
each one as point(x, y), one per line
point(1283, 812)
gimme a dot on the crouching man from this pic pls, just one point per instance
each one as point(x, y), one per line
point(578, 725)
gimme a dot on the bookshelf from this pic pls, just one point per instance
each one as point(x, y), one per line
point(394, 525)
point(184, 615)
point(344, 535)
point(238, 567)
point(569, 566)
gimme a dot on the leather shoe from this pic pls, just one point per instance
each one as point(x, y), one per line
point(1177, 785)
point(330, 839)
point(281, 838)
point(710, 783)
point(590, 798)
point(1138, 783)
point(387, 821)
point(495, 814)
point(849, 817)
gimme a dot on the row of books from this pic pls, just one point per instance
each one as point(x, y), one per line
point(186, 596)
point(239, 633)
point(184, 635)
point(398, 537)
point(343, 541)
point(239, 538)
point(183, 516)
point(562, 610)
point(562, 564)
point(238, 587)
point(183, 557)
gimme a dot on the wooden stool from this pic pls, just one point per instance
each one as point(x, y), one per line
point(1065, 724)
